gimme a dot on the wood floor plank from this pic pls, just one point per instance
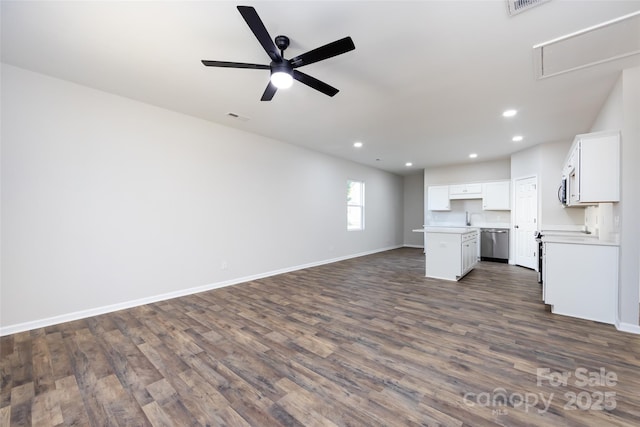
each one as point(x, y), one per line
point(367, 341)
point(71, 402)
point(46, 409)
point(5, 416)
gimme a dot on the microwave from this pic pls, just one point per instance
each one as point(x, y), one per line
point(562, 192)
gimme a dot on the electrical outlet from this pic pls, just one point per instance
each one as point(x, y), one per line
point(223, 265)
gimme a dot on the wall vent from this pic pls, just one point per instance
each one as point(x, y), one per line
point(517, 6)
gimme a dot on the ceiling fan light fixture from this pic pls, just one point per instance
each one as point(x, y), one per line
point(281, 75)
point(281, 79)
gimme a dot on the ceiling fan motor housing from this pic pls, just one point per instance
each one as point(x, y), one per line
point(282, 42)
point(281, 67)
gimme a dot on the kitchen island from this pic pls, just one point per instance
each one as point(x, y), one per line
point(450, 252)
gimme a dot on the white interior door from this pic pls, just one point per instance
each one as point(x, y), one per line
point(526, 222)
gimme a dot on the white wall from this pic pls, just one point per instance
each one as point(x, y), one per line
point(621, 111)
point(469, 172)
point(413, 209)
point(108, 202)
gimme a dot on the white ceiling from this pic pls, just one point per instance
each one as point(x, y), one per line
point(427, 83)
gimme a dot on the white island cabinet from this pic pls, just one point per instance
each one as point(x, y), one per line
point(450, 252)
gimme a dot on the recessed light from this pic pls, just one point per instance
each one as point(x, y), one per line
point(473, 155)
point(517, 138)
point(509, 113)
point(357, 144)
point(408, 164)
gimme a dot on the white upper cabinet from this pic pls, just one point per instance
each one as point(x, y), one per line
point(438, 198)
point(592, 169)
point(496, 196)
point(465, 191)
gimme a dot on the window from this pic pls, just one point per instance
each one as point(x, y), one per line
point(355, 205)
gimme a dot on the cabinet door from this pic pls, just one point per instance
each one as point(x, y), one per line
point(465, 191)
point(581, 280)
point(438, 198)
point(473, 252)
point(469, 253)
point(466, 258)
point(593, 169)
point(496, 196)
point(574, 158)
point(573, 187)
point(599, 169)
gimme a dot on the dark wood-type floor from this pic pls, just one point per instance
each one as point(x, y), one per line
point(364, 342)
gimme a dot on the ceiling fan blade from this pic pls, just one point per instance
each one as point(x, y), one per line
point(269, 92)
point(255, 23)
point(314, 83)
point(330, 50)
point(228, 64)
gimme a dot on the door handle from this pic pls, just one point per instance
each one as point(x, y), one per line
point(515, 226)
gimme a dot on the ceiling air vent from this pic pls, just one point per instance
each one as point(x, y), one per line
point(517, 6)
point(238, 117)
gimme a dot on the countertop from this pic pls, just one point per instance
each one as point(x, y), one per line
point(450, 230)
point(577, 240)
point(473, 225)
point(440, 227)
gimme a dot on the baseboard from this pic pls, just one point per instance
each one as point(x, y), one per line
point(414, 246)
point(83, 314)
point(628, 327)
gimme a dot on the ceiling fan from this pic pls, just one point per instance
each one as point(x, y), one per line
point(283, 71)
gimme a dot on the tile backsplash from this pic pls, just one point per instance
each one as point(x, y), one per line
point(457, 215)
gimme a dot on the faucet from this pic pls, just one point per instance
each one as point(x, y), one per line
point(467, 218)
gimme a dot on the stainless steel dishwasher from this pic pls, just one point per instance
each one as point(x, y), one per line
point(494, 244)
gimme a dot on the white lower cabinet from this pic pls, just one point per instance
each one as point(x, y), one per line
point(581, 280)
point(450, 254)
